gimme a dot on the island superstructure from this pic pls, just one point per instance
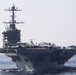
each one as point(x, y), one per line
point(41, 57)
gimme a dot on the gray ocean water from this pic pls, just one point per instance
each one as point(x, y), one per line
point(6, 63)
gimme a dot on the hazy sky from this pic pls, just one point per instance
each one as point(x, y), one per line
point(45, 20)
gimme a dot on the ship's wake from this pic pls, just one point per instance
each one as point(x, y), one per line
point(57, 71)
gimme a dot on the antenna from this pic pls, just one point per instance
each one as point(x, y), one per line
point(13, 9)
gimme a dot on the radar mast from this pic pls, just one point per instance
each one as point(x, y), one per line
point(12, 35)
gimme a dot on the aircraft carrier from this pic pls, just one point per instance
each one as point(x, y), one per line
point(29, 56)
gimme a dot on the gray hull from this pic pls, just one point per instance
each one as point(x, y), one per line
point(40, 60)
